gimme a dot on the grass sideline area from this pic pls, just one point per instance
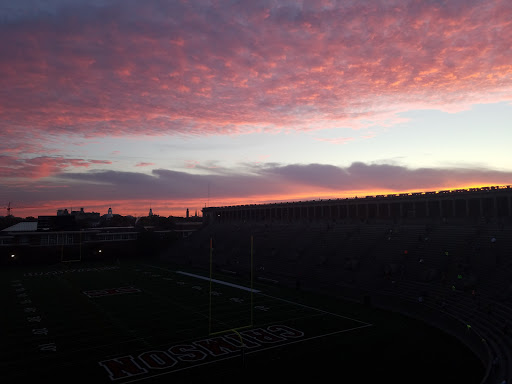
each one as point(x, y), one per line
point(150, 321)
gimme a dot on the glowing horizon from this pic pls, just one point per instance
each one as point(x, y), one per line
point(164, 209)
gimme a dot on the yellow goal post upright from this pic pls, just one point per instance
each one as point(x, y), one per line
point(233, 329)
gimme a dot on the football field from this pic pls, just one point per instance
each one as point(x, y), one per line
point(147, 321)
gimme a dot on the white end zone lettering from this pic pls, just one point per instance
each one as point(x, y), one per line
point(158, 360)
point(122, 367)
point(262, 336)
point(198, 351)
point(235, 339)
point(217, 346)
point(187, 353)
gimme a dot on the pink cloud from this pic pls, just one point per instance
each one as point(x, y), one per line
point(142, 164)
point(191, 163)
point(40, 167)
point(210, 73)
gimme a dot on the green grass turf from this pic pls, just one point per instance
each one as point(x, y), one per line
point(46, 307)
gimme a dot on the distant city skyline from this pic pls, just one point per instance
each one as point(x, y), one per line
point(186, 104)
point(109, 213)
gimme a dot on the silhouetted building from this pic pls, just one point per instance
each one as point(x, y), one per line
point(89, 219)
point(56, 223)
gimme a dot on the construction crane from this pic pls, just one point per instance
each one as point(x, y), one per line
point(10, 206)
point(8, 209)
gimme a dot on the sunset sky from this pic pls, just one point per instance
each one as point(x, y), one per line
point(171, 104)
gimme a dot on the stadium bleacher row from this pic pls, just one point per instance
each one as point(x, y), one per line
point(456, 277)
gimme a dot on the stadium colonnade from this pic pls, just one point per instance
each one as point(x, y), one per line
point(485, 203)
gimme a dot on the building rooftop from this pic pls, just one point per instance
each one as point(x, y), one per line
point(24, 226)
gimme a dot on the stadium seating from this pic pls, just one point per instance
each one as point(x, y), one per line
point(456, 276)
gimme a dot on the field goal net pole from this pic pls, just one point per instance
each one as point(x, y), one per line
point(236, 329)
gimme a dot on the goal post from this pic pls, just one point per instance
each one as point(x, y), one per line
point(220, 316)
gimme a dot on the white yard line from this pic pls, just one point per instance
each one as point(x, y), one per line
point(219, 282)
point(272, 297)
